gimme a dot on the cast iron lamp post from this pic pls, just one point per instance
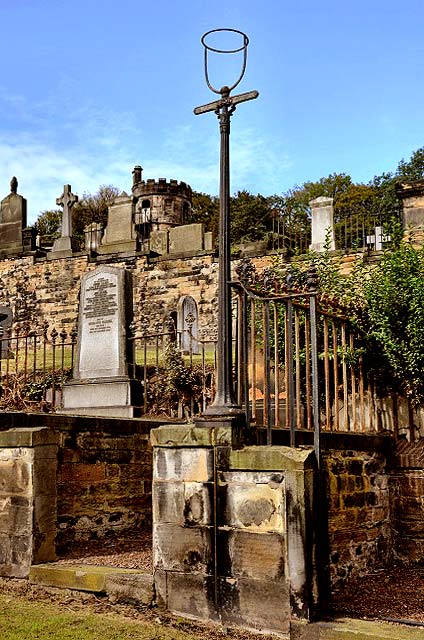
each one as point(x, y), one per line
point(224, 403)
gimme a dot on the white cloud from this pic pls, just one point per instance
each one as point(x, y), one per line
point(52, 143)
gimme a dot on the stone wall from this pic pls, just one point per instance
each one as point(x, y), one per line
point(407, 501)
point(39, 290)
point(71, 480)
point(103, 480)
point(359, 527)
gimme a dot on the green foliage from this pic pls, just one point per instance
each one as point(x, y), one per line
point(394, 294)
point(384, 303)
point(48, 223)
point(174, 386)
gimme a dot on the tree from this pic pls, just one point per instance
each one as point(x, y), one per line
point(414, 168)
point(251, 217)
point(92, 208)
point(205, 209)
point(48, 223)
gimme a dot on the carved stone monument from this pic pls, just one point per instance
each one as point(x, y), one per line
point(6, 317)
point(322, 224)
point(65, 245)
point(120, 234)
point(101, 383)
point(13, 219)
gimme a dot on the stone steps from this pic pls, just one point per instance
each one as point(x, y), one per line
point(120, 585)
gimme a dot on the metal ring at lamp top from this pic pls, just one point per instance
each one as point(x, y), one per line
point(208, 48)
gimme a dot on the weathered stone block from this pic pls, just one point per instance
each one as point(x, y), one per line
point(247, 504)
point(191, 595)
point(256, 604)
point(135, 588)
point(15, 515)
point(188, 504)
point(189, 237)
point(182, 549)
point(15, 471)
point(247, 554)
point(190, 465)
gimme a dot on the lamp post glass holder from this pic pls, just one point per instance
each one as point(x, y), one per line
point(225, 90)
point(224, 403)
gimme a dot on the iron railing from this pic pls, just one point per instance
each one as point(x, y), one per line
point(302, 366)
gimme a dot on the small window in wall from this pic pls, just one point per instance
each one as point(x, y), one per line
point(143, 219)
point(186, 212)
point(187, 324)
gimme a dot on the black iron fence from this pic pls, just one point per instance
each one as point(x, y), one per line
point(302, 366)
point(177, 374)
point(298, 365)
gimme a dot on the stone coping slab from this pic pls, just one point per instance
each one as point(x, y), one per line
point(96, 579)
point(191, 435)
point(263, 458)
point(28, 437)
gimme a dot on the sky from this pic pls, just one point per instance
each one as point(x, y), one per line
point(90, 88)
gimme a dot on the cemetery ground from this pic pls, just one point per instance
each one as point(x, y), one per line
point(39, 613)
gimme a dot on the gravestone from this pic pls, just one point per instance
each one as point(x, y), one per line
point(159, 242)
point(322, 224)
point(189, 237)
point(65, 245)
point(187, 322)
point(13, 219)
point(101, 383)
point(6, 317)
point(120, 235)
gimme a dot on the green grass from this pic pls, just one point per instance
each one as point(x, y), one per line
point(23, 620)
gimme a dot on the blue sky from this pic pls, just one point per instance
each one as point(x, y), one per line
point(89, 88)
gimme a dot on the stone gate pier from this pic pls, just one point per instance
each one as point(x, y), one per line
point(233, 528)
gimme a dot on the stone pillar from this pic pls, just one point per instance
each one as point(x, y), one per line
point(28, 461)
point(412, 196)
point(232, 528)
point(183, 519)
point(322, 224)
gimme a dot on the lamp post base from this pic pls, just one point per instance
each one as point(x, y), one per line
point(231, 428)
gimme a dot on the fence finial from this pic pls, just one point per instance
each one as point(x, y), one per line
point(312, 278)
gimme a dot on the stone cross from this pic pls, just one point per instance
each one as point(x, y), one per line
point(67, 201)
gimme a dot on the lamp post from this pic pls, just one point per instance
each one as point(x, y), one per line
point(224, 403)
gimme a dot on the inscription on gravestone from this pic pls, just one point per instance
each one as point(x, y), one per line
point(103, 320)
point(101, 305)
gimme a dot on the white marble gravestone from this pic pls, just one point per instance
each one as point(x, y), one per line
point(101, 384)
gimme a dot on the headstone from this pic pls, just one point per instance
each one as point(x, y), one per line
point(322, 224)
point(120, 235)
point(378, 239)
point(65, 245)
point(6, 317)
point(13, 219)
point(93, 235)
point(159, 242)
point(187, 238)
point(208, 241)
point(101, 383)
point(187, 325)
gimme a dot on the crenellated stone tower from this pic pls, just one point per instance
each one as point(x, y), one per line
point(162, 204)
